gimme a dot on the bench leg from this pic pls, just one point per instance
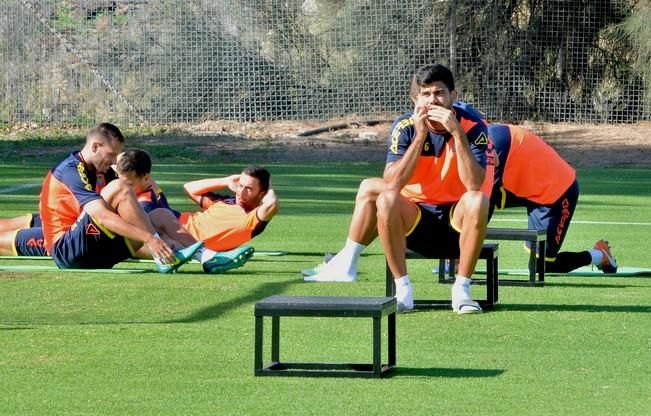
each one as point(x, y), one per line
point(275, 339)
point(390, 287)
point(534, 255)
point(490, 280)
point(391, 344)
point(377, 346)
point(257, 365)
point(542, 247)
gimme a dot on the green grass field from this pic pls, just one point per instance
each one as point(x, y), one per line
point(150, 344)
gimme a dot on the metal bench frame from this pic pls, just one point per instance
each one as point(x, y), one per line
point(325, 306)
point(538, 239)
point(489, 252)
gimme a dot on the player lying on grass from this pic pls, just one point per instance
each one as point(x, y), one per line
point(530, 174)
point(226, 224)
point(433, 193)
point(92, 220)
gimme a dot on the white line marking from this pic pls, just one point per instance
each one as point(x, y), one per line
point(18, 188)
point(576, 222)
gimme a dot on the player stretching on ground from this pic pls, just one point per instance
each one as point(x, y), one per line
point(531, 174)
point(90, 221)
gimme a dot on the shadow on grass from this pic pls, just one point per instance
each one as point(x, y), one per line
point(215, 311)
point(445, 372)
point(574, 308)
point(588, 285)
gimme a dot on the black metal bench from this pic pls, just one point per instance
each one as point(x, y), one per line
point(325, 306)
point(489, 252)
point(538, 239)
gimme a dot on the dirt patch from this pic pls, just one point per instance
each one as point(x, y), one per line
point(356, 140)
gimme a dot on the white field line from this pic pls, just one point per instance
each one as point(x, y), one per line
point(18, 188)
point(577, 222)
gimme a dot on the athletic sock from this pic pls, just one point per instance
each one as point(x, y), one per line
point(404, 293)
point(461, 288)
point(597, 256)
point(206, 254)
point(346, 260)
point(157, 259)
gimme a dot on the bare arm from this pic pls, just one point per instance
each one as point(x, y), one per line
point(470, 172)
point(398, 173)
point(269, 206)
point(196, 189)
point(99, 210)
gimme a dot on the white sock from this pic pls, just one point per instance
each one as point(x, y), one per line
point(597, 256)
point(157, 259)
point(461, 288)
point(206, 254)
point(404, 292)
point(346, 259)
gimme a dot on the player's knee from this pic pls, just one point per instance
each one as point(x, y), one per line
point(117, 190)
point(368, 189)
point(386, 202)
point(476, 204)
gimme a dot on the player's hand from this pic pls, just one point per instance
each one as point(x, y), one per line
point(442, 117)
point(420, 118)
point(160, 250)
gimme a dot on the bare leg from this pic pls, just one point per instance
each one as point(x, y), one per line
point(121, 199)
point(169, 227)
point(471, 216)
point(395, 216)
point(361, 232)
point(15, 223)
point(363, 225)
point(7, 242)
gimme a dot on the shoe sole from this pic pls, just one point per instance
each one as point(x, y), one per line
point(239, 261)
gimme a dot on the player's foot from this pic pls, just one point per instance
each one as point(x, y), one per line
point(316, 269)
point(405, 297)
point(465, 306)
point(608, 262)
point(224, 261)
point(328, 273)
point(183, 256)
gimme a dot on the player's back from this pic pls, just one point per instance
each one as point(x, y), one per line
point(528, 167)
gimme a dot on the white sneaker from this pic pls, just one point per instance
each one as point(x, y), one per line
point(405, 298)
point(327, 273)
point(316, 269)
point(465, 306)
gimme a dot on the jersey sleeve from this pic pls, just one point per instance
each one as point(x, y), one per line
point(79, 184)
point(148, 201)
point(400, 138)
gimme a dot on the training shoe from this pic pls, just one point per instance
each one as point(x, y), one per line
point(224, 261)
point(465, 306)
point(183, 256)
point(316, 269)
point(608, 262)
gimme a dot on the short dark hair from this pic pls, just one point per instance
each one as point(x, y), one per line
point(260, 173)
point(105, 132)
point(134, 160)
point(428, 74)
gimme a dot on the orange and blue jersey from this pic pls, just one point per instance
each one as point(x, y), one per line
point(67, 188)
point(528, 167)
point(223, 225)
point(153, 198)
point(436, 178)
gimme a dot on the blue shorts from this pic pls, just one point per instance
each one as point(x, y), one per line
point(88, 245)
point(555, 218)
point(433, 233)
point(29, 242)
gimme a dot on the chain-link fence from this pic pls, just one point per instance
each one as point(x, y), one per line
point(168, 61)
